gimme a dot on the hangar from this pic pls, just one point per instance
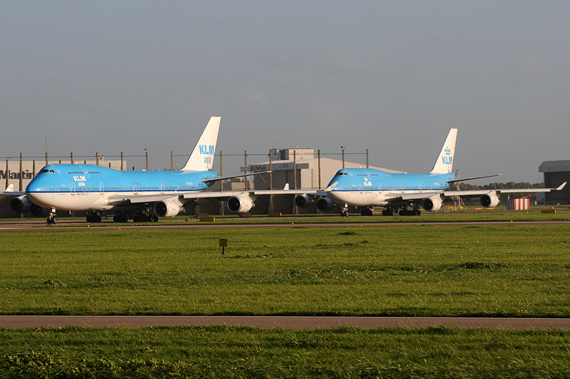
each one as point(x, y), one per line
point(556, 173)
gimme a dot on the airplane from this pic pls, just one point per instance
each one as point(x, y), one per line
point(366, 188)
point(138, 195)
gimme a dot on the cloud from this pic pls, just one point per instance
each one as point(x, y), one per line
point(346, 65)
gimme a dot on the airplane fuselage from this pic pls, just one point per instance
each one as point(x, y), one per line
point(90, 187)
point(365, 187)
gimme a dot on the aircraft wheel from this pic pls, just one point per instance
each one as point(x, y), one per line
point(154, 218)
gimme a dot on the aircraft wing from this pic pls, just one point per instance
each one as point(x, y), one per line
point(138, 199)
point(219, 195)
point(9, 191)
point(290, 192)
point(420, 195)
point(514, 190)
point(412, 195)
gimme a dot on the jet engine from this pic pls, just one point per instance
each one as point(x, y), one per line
point(36, 210)
point(303, 201)
point(240, 204)
point(20, 204)
point(432, 204)
point(489, 199)
point(166, 208)
point(325, 204)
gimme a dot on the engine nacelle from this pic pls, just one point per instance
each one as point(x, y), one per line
point(166, 208)
point(20, 204)
point(37, 211)
point(432, 204)
point(303, 201)
point(325, 204)
point(240, 204)
point(489, 199)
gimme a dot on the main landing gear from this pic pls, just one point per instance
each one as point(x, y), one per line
point(404, 211)
point(121, 217)
point(93, 217)
point(145, 217)
point(51, 218)
point(344, 210)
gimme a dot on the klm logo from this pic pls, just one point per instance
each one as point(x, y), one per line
point(447, 158)
point(207, 149)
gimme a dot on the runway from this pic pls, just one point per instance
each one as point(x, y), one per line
point(40, 225)
point(284, 322)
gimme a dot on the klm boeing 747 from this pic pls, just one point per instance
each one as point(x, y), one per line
point(402, 192)
point(140, 195)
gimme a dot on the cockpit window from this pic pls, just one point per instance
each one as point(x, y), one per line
point(47, 170)
point(341, 173)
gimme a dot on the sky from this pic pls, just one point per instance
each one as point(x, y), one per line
point(389, 76)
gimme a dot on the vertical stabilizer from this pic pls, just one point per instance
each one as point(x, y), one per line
point(444, 162)
point(202, 158)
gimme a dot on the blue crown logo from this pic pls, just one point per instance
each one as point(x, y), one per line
point(447, 151)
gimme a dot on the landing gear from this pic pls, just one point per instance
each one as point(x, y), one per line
point(121, 217)
point(409, 212)
point(344, 210)
point(145, 217)
point(387, 212)
point(93, 217)
point(366, 211)
point(51, 218)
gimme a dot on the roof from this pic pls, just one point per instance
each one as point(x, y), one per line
point(554, 166)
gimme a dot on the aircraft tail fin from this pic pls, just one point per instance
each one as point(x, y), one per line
point(444, 162)
point(202, 158)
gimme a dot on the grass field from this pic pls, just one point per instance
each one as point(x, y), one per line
point(441, 270)
point(232, 352)
point(397, 271)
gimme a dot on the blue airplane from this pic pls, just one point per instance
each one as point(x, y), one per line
point(137, 195)
point(402, 192)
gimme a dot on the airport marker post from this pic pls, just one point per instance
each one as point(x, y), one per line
point(223, 245)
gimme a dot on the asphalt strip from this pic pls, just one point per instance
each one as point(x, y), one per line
point(284, 322)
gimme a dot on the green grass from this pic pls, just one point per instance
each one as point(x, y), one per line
point(238, 352)
point(443, 270)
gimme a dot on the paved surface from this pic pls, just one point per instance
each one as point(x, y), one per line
point(82, 225)
point(285, 322)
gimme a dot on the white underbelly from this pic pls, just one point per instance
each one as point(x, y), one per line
point(357, 198)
